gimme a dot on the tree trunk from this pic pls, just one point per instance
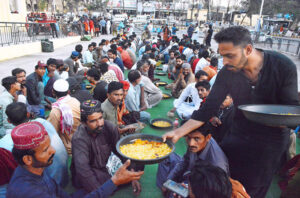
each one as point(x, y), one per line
point(192, 12)
point(208, 11)
point(243, 19)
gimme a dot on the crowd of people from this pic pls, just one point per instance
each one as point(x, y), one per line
point(81, 106)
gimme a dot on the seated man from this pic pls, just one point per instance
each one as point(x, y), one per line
point(34, 85)
point(87, 57)
point(185, 78)
point(106, 74)
point(223, 120)
point(134, 100)
point(113, 57)
point(34, 153)
point(76, 91)
point(17, 114)
point(200, 146)
point(72, 63)
point(203, 62)
point(93, 143)
point(203, 88)
point(111, 105)
point(49, 78)
point(206, 180)
point(65, 113)
point(21, 78)
point(152, 93)
point(212, 69)
point(8, 166)
point(8, 96)
point(188, 100)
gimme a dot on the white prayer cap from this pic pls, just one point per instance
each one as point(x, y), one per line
point(61, 85)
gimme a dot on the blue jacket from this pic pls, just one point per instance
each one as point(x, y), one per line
point(25, 184)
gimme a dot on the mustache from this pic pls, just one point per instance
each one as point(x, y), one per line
point(51, 158)
point(192, 147)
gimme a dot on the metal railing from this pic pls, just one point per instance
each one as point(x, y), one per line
point(282, 44)
point(12, 33)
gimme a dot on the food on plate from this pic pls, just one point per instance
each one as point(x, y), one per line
point(145, 150)
point(161, 124)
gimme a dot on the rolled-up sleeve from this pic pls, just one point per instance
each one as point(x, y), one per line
point(215, 98)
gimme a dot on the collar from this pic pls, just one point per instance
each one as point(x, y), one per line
point(8, 94)
point(20, 170)
point(202, 155)
point(110, 104)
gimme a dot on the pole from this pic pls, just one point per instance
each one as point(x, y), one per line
point(261, 8)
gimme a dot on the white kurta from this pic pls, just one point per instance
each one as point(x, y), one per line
point(185, 109)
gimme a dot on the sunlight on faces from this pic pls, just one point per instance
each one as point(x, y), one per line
point(21, 78)
point(235, 58)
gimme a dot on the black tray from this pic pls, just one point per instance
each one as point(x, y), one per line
point(161, 119)
point(130, 139)
point(272, 115)
point(160, 74)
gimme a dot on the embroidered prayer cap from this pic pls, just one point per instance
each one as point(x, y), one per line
point(89, 107)
point(186, 66)
point(126, 84)
point(28, 135)
point(61, 85)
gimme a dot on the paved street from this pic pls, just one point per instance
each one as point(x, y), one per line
point(28, 62)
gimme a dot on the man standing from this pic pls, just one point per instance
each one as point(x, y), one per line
point(250, 76)
point(190, 30)
point(93, 143)
point(135, 98)
point(65, 113)
point(33, 152)
point(12, 86)
point(34, 84)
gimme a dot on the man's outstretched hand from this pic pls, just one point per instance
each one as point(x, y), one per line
point(124, 176)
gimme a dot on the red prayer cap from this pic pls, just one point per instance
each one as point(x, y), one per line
point(126, 84)
point(28, 135)
point(41, 64)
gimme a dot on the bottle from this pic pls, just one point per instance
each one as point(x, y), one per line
point(176, 123)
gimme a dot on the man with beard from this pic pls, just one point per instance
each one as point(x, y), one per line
point(21, 78)
point(250, 76)
point(92, 145)
point(33, 152)
point(111, 105)
point(185, 78)
point(152, 94)
point(201, 146)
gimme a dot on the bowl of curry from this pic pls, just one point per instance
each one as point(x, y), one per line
point(161, 123)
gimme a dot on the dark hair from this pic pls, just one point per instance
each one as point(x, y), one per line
point(78, 48)
point(86, 111)
point(209, 181)
point(60, 94)
point(113, 47)
point(204, 54)
point(94, 44)
point(237, 35)
point(112, 51)
point(204, 84)
point(19, 154)
point(133, 75)
point(8, 81)
point(214, 61)
point(93, 72)
point(103, 68)
point(17, 71)
point(51, 61)
point(140, 63)
point(182, 57)
point(16, 113)
point(200, 73)
point(145, 57)
point(204, 129)
point(90, 45)
point(113, 86)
